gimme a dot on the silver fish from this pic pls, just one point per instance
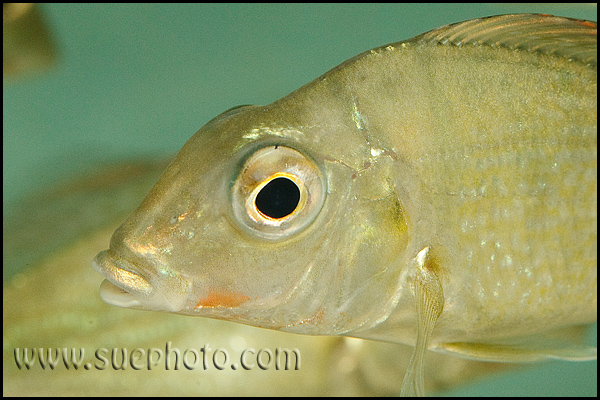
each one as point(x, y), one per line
point(438, 192)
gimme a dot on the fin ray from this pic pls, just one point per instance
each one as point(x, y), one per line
point(545, 34)
point(560, 344)
point(429, 299)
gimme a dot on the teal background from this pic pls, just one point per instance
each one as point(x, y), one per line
point(139, 80)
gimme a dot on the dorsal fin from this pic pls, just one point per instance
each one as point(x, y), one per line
point(573, 39)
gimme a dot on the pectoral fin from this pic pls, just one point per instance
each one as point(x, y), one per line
point(429, 298)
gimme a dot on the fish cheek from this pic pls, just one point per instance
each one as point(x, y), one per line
point(377, 235)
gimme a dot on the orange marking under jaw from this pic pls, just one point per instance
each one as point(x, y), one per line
point(222, 299)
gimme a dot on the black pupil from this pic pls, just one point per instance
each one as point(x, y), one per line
point(278, 198)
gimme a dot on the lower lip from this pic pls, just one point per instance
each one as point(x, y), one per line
point(116, 296)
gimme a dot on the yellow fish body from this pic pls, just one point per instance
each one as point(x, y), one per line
point(438, 192)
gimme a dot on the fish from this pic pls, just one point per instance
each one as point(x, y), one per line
point(28, 48)
point(438, 192)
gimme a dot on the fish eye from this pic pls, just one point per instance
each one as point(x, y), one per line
point(278, 192)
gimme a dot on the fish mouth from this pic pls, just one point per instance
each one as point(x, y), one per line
point(122, 285)
point(125, 286)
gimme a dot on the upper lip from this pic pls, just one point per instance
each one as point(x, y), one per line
point(121, 273)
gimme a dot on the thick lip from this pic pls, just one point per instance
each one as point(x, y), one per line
point(126, 285)
point(123, 283)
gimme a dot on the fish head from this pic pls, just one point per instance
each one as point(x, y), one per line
point(261, 220)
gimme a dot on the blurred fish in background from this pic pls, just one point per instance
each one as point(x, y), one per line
point(27, 46)
point(52, 303)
